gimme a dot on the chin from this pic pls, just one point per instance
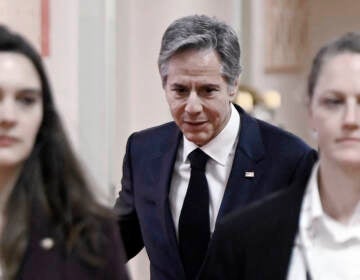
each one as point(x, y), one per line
point(197, 142)
point(349, 162)
point(8, 164)
point(10, 161)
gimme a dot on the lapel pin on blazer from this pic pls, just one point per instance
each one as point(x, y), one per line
point(47, 243)
point(249, 174)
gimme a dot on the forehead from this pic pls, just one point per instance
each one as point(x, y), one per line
point(195, 64)
point(340, 73)
point(17, 70)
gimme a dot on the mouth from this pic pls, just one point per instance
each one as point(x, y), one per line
point(348, 140)
point(194, 122)
point(194, 125)
point(6, 141)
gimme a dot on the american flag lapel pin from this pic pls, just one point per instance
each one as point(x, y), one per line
point(249, 174)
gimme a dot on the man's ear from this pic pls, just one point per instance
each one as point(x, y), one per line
point(233, 90)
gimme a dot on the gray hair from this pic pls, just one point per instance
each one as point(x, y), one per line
point(348, 43)
point(201, 32)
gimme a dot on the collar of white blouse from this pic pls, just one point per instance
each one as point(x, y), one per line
point(322, 241)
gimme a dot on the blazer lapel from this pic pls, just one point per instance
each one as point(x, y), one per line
point(161, 169)
point(247, 166)
point(38, 253)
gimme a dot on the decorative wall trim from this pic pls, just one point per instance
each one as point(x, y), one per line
point(286, 34)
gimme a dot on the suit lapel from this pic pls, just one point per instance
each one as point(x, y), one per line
point(161, 169)
point(247, 166)
point(32, 266)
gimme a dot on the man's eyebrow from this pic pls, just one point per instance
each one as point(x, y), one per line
point(177, 85)
point(210, 85)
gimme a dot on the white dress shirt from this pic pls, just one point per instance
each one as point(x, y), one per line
point(324, 247)
point(221, 152)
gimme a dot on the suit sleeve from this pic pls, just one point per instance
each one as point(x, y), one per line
point(126, 210)
point(224, 259)
point(115, 261)
point(304, 166)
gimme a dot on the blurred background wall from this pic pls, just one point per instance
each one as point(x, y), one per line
point(326, 19)
point(102, 65)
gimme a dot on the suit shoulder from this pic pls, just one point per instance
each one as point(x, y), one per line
point(274, 136)
point(152, 141)
point(280, 134)
point(156, 131)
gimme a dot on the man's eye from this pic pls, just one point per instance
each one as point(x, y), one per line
point(180, 91)
point(210, 90)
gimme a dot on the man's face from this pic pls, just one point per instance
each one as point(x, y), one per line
point(198, 95)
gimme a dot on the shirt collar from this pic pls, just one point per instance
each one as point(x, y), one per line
point(221, 146)
point(312, 203)
point(315, 221)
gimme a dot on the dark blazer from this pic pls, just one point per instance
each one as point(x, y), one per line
point(275, 156)
point(257, 243)
point(43, 263)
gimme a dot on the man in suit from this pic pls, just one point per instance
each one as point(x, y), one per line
point(182, 177)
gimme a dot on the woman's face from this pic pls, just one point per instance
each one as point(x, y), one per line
point(20, 108)
point(335, 109)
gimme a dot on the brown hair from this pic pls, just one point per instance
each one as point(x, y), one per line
point(350, 42)
point(51, 186)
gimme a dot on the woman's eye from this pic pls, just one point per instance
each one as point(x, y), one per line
point(332, 102)
point(27, 100)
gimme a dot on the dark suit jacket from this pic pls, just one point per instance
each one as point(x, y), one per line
point(257, 243)
point(275, 156)
point(41, 263)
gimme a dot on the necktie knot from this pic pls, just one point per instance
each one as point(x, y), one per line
point(198, 159)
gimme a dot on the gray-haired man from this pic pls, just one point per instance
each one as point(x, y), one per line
point(182, 177)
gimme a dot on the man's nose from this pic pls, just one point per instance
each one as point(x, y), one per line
point(193, 103)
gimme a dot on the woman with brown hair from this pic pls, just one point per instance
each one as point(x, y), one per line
point(51, 227)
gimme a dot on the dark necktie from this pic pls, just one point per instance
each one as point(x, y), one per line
point(194, 222)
